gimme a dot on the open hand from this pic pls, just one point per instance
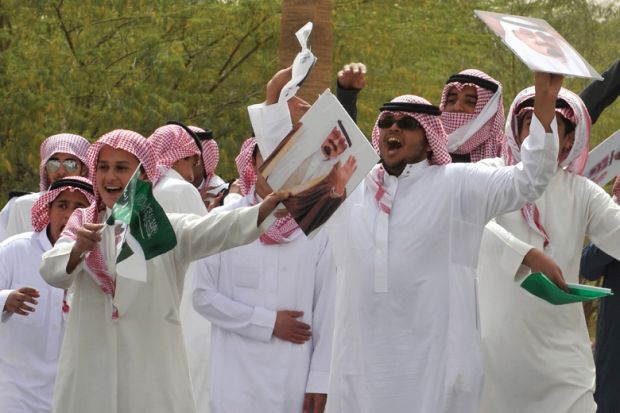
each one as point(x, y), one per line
point(352, 76)
point(18, 300)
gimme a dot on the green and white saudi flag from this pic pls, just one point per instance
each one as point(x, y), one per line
point(147, 231)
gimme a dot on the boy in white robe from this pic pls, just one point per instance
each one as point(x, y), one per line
point(407, 332)
point(33, 313)
point(61, 155)
point(177, 151)
point(123, 349)
point(406, 246)
point(538, 356)
point(271, 303)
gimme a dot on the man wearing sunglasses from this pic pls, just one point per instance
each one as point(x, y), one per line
point(406, 246)
point(62, 155)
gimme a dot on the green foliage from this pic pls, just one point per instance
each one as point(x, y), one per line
point(88, 67)
point(413, 46)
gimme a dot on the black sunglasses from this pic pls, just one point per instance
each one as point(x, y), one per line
point(405, 123)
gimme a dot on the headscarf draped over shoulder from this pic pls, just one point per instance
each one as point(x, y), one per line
point(478, 134)
point(138, 146)
point(571, 107)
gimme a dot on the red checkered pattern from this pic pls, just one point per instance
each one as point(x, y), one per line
point(485, 142)
point(210, 154)
point(41, 208)
point(61, 143)
point(435, 133)
point(576, 160)
point(135, 144)
point(283, 229)
point(375, 184)
point(170, 143)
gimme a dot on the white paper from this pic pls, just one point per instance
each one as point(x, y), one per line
point(303, 63)
point(134, 266)
point(538, 45)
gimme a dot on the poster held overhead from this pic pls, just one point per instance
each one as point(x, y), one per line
point(538, 45)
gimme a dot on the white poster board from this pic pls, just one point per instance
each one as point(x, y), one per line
point(320, 161)
point(604, 161)
point(538, 45)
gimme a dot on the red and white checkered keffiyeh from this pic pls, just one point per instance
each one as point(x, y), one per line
point(468, 133)
point(170, 143)
point(283, 229)
point(210, 154)
point(575, 162)
point(432, 127)
point(376, 185)
point(61, 143)
point(41, 208)
point(138, 146)
point(616, 190)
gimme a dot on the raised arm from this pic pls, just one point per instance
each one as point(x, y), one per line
point(491, 192)
point(350, 81)
point(601, 93)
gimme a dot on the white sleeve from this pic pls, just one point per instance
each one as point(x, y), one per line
point(4, 218)
point(232, 198)
point(508, 250)
point(322, 321)
point(271, 123)
point(201, 236)
point(603, 218)
point(252, 322)
point(488, 192)
point(54, 265)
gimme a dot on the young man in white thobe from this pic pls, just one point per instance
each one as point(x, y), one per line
point(61, 155)
point(407, 332)
point(271, 303)
point(537, 356)
point(123, 350)
point(177, 150)
point(33, 313)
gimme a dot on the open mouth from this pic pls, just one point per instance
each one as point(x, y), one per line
point(113, 190)
point(393, 143)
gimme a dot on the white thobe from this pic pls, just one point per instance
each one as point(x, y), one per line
point(176, 195)
point(16, 216)
point(29, 345)
point(240, 291)
point(407, 334)
point(136, 363)
point(537, 356)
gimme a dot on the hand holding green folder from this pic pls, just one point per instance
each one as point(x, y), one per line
point(539, 285)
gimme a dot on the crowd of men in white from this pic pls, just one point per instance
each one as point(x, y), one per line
point(405, 301)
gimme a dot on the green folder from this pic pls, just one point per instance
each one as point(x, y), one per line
point(542, 287)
